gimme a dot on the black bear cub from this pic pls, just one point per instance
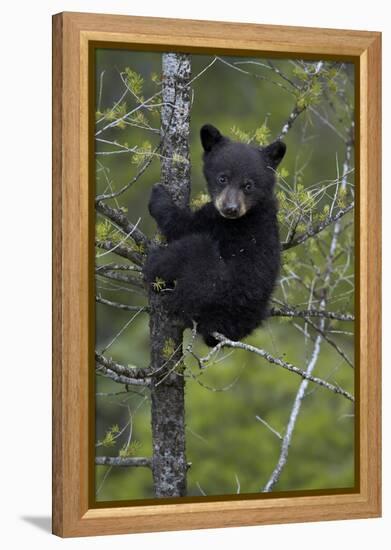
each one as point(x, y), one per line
point(222, 261)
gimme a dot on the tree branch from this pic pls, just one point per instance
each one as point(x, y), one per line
point(121, 250)
point(316, 350)
point(123, 278)
point(120, 267)
point(292, 419)
point(123, 374)
point(137, 461)
point(331, 342)
point(120, 379)
point(314, 230)
point(253, 75)
point(223, 341)
point(287, 311)
point(115, 194)
point(118, 305)
point(296, 112)
point(134, 110)
point(119, 218)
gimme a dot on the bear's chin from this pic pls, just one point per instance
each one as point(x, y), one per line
point(231, 217)
point(242, 212)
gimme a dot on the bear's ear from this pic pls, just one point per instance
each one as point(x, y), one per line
point(210, 136)
point(274, 153)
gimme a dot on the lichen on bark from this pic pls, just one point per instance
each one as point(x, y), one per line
point(169, 463)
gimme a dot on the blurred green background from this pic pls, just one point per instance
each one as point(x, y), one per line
point(230, 450)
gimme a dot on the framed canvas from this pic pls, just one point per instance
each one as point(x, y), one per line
point(216, 229)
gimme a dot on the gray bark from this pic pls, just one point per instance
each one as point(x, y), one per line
point(169, 464)
point(136, 461)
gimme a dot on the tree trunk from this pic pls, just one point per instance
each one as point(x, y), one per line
point(169, 464)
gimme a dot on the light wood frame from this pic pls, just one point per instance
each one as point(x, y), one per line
point(72, 33)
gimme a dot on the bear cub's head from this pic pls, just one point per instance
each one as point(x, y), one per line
point(239, 175)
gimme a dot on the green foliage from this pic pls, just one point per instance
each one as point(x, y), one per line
point(309, 96)
point(106, 231)
point(142, 153)
point(109, 438)
point(322, 216)
point(199, 200)
point(342, 197)
point(115, 113)
point(290, 259)
point(103, 230)
point(262, 134)
point(160, 238)
point(156, 78)
point(312, 80)
point(168, 349)
point(130, 450)
point(300, 73)
point(137, 247)
point(240, 135)
point(282, 173)
point(135, 83)
point(139, 119)
point(179, 159)
point(159, 284)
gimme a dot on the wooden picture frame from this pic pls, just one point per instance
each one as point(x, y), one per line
point(72, 35)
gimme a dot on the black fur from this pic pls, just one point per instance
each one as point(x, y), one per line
point(221, 261)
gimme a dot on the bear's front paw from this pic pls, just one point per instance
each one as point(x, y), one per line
point(160, 199)
point(157, 270)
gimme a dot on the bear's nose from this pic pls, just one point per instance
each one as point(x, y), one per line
point(231, 211)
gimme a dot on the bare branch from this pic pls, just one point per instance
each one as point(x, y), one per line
point(127, 115)
point(123, 278)
point(136, 461)
point(124, 238)
point(121, 331)
point(115, 194)
point(119, 378)
point(119, 218)
point(125, 374)
point(223, 341)
point(253, 75)
point(271, 67)
point(314, 230)
point(292, 419)
point(121, 267)
point(275, 432)
point(118, 305)
point(331, 342)
point(122, 250)
point(290, 121)
point(288, 311)
point(316, 350)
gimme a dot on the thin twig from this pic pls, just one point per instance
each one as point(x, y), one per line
point(314, 230)
point(262, 421)
point(292, 419)
point(123, 250)
point(288, 311)
point(118, 305)
point(140, 172)
point(120, 219)
point(223, 341)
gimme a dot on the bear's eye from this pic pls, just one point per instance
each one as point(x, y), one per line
point(248, 185)
point(222, 179)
